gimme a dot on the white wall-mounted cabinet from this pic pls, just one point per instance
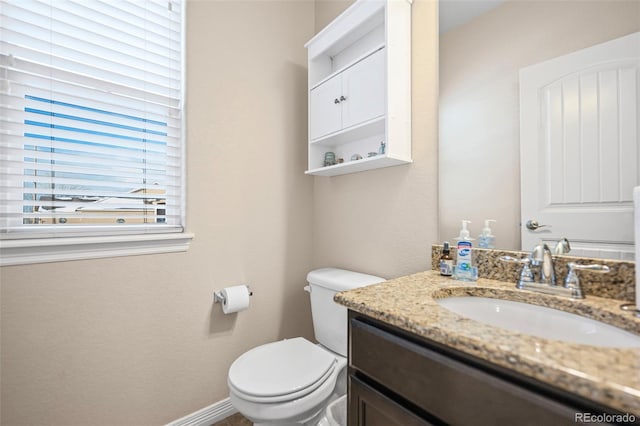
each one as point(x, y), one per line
point(360, 88)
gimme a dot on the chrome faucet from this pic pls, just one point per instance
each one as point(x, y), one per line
point(538, 274)
point(562, 247)
point(542, 261)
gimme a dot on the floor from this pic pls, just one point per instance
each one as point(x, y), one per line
point(235, 420)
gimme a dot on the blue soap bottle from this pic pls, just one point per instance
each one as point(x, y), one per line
point(464, 270)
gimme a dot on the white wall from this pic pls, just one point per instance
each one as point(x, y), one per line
point(479, 159)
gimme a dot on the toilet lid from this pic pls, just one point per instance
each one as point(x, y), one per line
point(280, 368)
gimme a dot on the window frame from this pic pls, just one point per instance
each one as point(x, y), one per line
point(46, 250)
point(33, 249)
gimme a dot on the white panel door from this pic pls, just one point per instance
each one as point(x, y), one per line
point(579, 148)
point(325, 110)
point(364, 90)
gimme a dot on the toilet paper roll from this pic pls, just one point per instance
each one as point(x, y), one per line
point(236, 299)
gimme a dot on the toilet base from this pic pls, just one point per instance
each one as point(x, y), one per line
point(318, 419)
point(311, 420)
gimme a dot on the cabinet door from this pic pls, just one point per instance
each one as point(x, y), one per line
point(368, 407)
point(364, 89)
point(325, 114)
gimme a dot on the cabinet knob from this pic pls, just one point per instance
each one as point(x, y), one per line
point(336, 101)
point(342, 98)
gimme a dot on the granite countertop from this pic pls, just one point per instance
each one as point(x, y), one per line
point(610, 376)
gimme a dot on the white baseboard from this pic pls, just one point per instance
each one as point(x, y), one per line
point(208, 415)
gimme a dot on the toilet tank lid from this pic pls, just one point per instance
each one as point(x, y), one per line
point(341, 279)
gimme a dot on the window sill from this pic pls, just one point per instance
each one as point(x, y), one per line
point(45, 250)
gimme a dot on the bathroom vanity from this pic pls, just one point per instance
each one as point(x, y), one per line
point(413, 362)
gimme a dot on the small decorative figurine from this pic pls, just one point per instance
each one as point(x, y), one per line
point(382, 148)
point(329, 159)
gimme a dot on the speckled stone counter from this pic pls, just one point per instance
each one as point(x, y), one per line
point(610, 376)
point(619, 283)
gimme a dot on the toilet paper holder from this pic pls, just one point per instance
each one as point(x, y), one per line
point(218, 297)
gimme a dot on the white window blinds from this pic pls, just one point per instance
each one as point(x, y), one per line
point(91, 117)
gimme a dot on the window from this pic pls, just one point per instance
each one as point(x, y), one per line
point(91, 120)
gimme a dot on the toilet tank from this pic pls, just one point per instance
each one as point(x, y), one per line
point(330, 318)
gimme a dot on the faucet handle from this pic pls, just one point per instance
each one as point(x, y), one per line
point(594, 267)
point(573, 282)
point(526, 275)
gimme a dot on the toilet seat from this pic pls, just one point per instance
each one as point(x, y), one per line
point(281, 371)
point(285, 397)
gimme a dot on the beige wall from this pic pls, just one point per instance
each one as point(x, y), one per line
point(479, 103)
point(137, 341)
point(327, 10)
point(384, 221)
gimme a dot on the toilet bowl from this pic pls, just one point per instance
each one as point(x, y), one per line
point(286, 382)
point(292, 381)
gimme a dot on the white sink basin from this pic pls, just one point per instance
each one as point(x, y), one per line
point(540, 321)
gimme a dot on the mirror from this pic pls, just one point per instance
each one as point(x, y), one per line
point(479, 126)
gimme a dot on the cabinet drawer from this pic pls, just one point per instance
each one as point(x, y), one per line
point(450, 390)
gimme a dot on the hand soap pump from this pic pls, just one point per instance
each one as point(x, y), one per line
point(464, 270)
point(487, 240)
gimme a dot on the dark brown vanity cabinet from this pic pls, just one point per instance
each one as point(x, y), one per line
point(398, 378)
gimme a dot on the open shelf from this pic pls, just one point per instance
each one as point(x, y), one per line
point(358, 166)
point(350, 64)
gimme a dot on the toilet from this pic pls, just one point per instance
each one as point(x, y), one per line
point(292, 381)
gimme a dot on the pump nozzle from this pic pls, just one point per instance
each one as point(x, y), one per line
point(464, 232)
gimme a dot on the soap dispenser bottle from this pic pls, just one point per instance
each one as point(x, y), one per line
point(487, 240)
point(464, 269)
